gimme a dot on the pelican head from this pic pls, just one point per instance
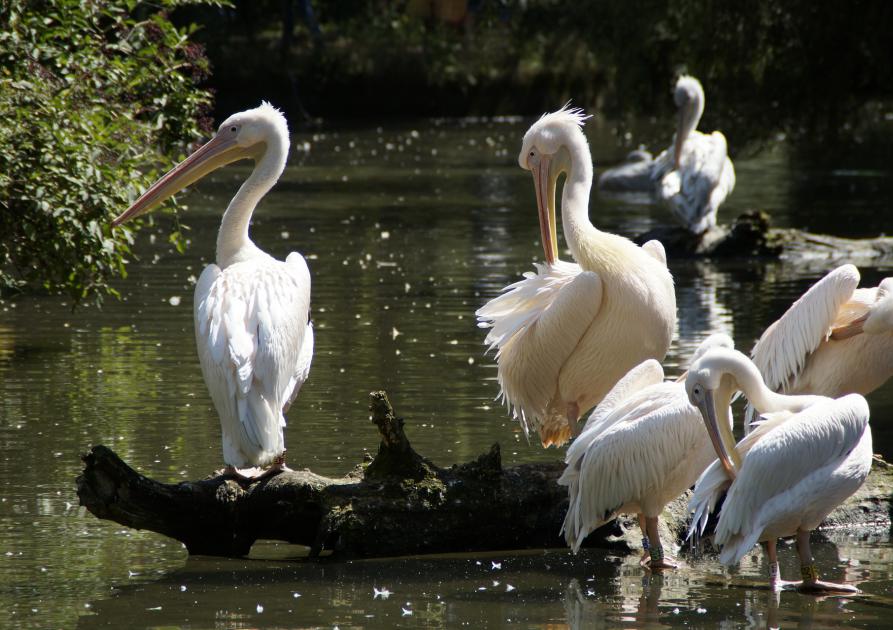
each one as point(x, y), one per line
point(689, 99)
point(545, 153)
point(245, 135)
point(712, 380)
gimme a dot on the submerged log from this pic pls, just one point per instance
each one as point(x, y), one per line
point(751, 235)
point(398, 503)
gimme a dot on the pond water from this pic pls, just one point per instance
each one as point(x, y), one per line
point(407, 230)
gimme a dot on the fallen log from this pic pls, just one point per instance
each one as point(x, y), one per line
point(398, 503)
point(751, 235)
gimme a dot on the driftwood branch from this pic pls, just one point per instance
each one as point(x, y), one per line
point(751, 235)
point(399, 503)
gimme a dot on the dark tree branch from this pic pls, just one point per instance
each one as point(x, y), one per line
point(751, 235)
point(400, 503)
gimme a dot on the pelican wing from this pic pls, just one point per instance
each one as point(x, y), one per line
point(535, 326)
point(524, 301)
point(305, 356)
point(251, 320)
point(880, 310)
point(656, 250)
point(777, 469)
point(713, 482)
point(634, 175)
point(704, 179)
point(648, 372)
point(631, 459)
point(781, 352)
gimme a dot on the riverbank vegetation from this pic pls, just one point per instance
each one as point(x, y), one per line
point(803, 68)
point(92, 96)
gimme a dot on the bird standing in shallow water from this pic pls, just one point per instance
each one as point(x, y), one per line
point(252, 328)
point(692, 177)
point(643, 446)
point(807, 456)
point(566, 334)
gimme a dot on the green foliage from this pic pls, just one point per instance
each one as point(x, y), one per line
point(811, 69)
point(91, 93)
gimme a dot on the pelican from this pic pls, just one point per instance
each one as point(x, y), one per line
point(692, 177)
point(834, 340)
point(252, 328)
point(641, 448)
point(566, 334)
point(806, 457)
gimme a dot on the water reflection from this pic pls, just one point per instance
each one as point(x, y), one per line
point(701, 305)
point(596, 589)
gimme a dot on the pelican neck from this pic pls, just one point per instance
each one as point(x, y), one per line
point(763, 399)
point(233, 242)
point(578, 229)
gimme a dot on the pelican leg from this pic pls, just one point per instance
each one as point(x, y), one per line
point(573, 416)
point(658, 561)
point(811, 582)
point(646, 544)
point(278, 466)
point(775, 581)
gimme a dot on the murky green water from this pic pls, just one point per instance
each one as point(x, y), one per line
point(407, 231)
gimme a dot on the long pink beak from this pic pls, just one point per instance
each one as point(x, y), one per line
point(211, 155)
point(544, 187)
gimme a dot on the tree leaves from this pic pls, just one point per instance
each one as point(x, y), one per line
point(91, 94)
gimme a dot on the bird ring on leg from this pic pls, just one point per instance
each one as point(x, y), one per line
point(773, 571)
point(645, 544)
point(657, 554)
point(809, 573)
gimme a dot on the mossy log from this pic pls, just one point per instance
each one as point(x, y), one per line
point(398, 503)
point(751, 235)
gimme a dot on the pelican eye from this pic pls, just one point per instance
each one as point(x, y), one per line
point(234, 129)
point(697, 392)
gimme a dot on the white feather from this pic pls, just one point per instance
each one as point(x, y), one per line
point(782, 352)
point(704, 179)
point(251, 321)
point(524, 320)
point(796, 474)
point(642, 446)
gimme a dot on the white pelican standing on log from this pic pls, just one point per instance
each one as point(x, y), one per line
point(693, 177)
point(252, 328)
point(566, 334)
point(807, 456)
point(643, 446)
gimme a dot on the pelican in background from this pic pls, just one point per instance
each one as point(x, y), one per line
point(807, 456)
point(566, 334)
point(834, 340)
point(252, 328)
point(692, 177)
point(643, 446)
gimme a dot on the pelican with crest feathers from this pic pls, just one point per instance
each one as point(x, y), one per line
point(692, 177)
point(642, 447)
point(252, 328)
point(835, 339)
point(807, 455)
point(567, 333)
